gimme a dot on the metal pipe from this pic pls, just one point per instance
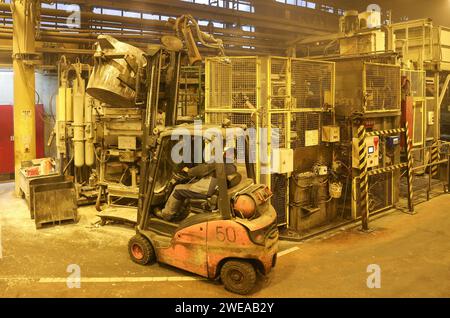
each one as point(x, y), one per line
point(429, 165)
point(89, 132)
point(64, 51)
point(60, 16)
point(78, 121)
point(142, 44)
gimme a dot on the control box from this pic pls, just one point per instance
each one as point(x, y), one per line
point(282, 160)
point(331, 134)
point(373, 152)
point(392, 141)
point(321, 170)
point(311, 138)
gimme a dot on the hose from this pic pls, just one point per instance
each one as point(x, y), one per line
point(204, 38)
point(67, 166)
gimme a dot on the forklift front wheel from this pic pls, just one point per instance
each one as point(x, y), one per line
point(238, 276)
point(141, 250)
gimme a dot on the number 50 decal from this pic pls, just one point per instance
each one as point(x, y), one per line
point(225, 234)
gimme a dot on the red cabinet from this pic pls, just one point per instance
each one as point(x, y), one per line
point(7, 137)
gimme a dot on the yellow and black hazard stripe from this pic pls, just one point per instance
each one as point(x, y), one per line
point(387, 169)
point(434, 158)
point(385, 132)
point(409, 170)
point(363, 177)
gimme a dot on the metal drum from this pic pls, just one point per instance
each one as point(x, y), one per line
point(113, 79)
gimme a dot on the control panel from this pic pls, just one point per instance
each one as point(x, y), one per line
point(373, 152)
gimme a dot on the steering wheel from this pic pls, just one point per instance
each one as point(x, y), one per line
point(179, 176)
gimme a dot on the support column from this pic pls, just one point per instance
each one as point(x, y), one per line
point(23, 13)
point(363, 178)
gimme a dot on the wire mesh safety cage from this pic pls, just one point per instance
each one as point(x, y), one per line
point(416, 82)
point(275, 83)
point(217, 118)
point(231, 83)
point(382, 87)
point(380, 190)
point(279, 83)
point(312, 84)
point(279, 184)
point(255, 91)
point(259, 92)
point(279, 124)
point(241, 119)
point(415, 39)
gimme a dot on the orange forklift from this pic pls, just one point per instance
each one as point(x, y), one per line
point(231, 235)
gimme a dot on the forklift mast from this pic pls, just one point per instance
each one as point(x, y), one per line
point(163, 69)
point(163, 72)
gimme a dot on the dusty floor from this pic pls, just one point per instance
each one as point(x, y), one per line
point(413, 253)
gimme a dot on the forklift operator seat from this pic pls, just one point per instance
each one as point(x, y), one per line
point(210, 203)
point(234, 179)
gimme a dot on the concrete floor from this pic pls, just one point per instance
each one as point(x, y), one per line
point(412, 251)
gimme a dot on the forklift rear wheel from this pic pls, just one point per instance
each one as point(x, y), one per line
point(238, 276)
point(141, 250)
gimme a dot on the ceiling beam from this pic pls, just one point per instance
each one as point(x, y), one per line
point(312, 22)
